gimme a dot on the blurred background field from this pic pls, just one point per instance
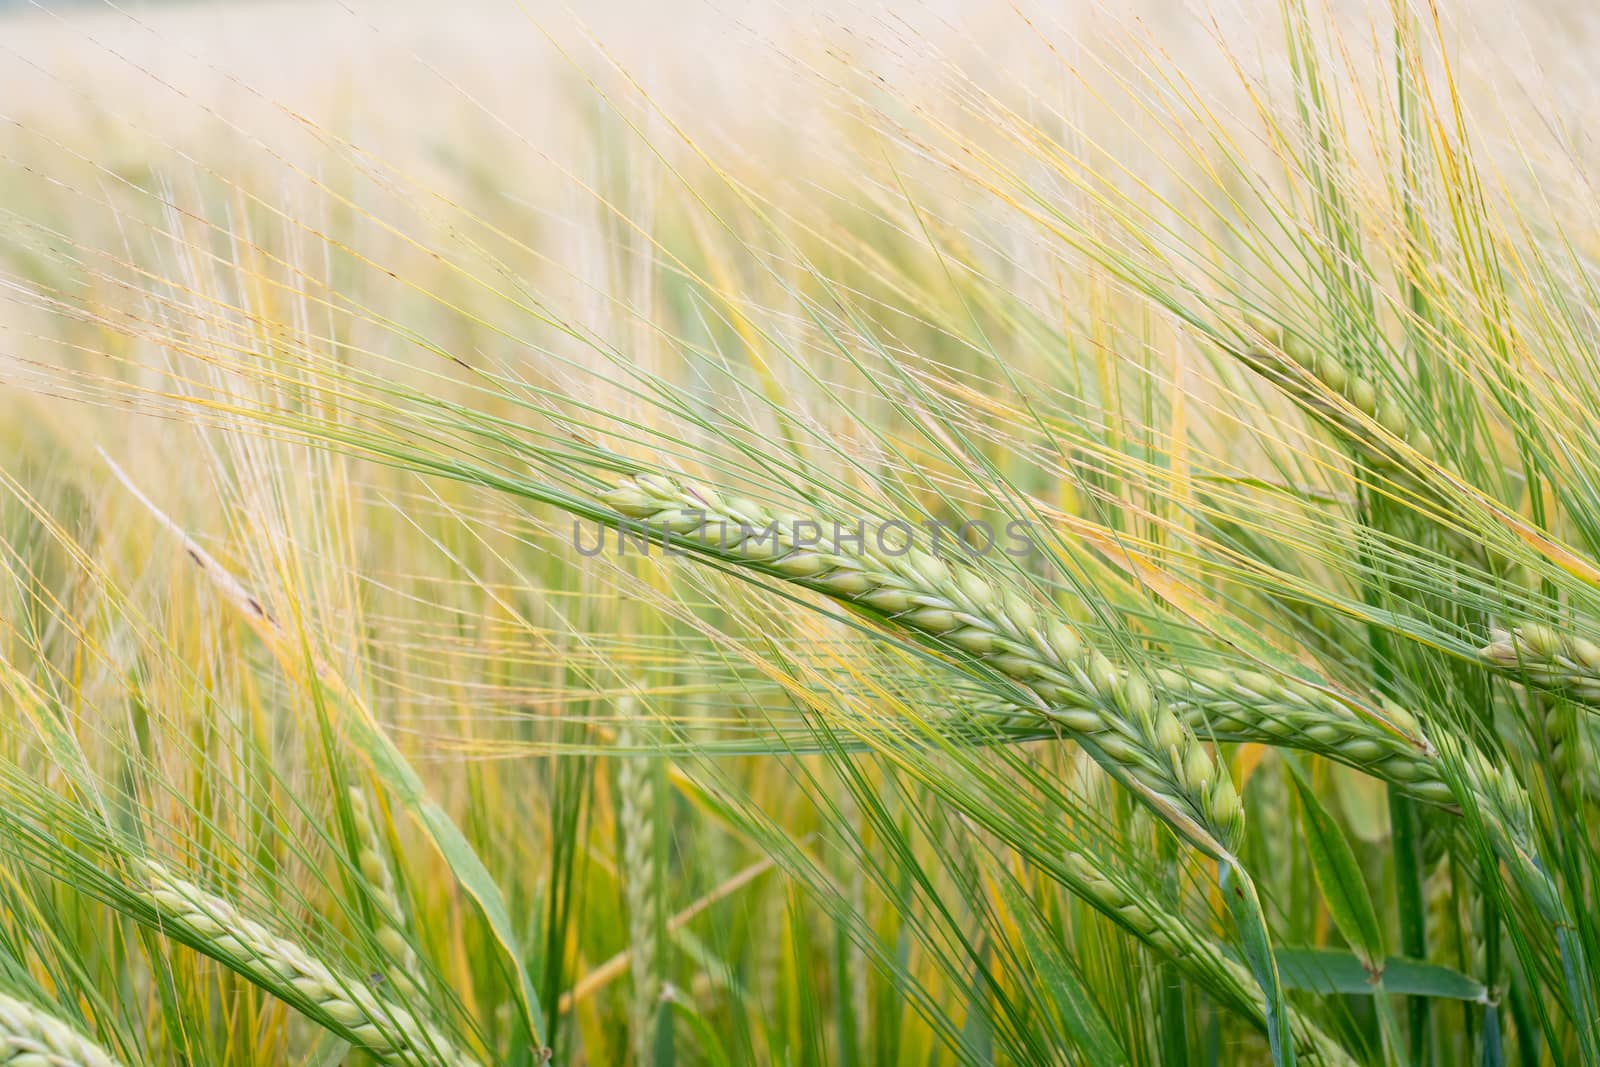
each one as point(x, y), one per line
point(351, 292)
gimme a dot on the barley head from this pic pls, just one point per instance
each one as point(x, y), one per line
point(1289, 362)
point(385, 896)
point(215, 926)
point(1114, 712)
point(1559, 660)
point(30, 1037)
point(1134, 911)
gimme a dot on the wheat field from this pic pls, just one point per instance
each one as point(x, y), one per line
point(806, 534)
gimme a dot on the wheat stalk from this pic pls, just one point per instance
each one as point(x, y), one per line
point(345, 1004)
point(30, 1037)
point(1116, 714)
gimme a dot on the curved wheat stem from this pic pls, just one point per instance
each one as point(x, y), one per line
point(30, 1037)
point(343, 1003)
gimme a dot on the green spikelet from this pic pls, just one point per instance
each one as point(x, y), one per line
point(1271, 815)
point(1559, 660)
point(383, 893)
point(1314, 379)
point(1134, 910)
point(1139, 739)
point(637, 809)
point(342, 1002)
point(31, 1037)
point(1443, 913)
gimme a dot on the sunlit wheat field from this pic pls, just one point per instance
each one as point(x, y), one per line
point(813, 534)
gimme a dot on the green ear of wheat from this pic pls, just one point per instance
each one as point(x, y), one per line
point(1290, 363)
point(1171, 935)
point(379, 877)
point(1074, 683)
point(345, 1004)
point(1115, 713)
point(1562, 661)
point(638, 807)
point(1247, 705)
point(30, 1037)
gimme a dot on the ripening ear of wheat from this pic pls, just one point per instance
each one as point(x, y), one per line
point(638, 808)
point(344, 1002)
point(379, 876)
point(1563, 661)
point(1272, 742)
point(1117, 712)
point(1137, 736)
point(30, 1037)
